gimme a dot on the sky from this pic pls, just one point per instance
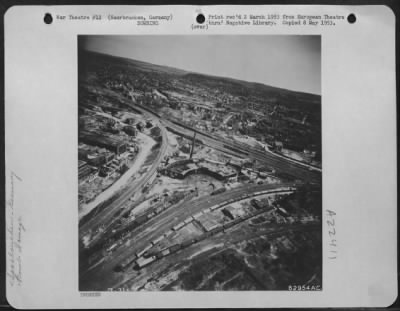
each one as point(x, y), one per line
point(288, 61)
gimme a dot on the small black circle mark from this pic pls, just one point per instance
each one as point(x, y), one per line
point(48, 19)
point(351, 18)
point(200, 18)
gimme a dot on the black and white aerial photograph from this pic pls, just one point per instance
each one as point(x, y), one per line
point(199, 162)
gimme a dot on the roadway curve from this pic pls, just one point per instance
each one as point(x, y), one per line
point(166, 220)
point(104, 217)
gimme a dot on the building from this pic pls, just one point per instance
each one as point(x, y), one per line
point(113, 144)
point(233, 212)
point(107, 154)
point(104, 171)
point(149, 124)
point(182, 169)
point(220, 172)
point(155, 131)
point(140, 126)
point(86, 173)
point(83, 153)
point(129, 121)
point(96, 159)
point(208, 222)
point(130, 130)
point(235, 163)
point(278, 145)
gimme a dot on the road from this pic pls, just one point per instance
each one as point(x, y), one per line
point(278, 163)
point(163, 222)
point(122, 180)
point(104, 217)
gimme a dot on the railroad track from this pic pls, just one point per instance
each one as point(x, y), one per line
point(104, 217)
point(280, 163)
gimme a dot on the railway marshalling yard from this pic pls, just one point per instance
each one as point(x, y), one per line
point(204, 211)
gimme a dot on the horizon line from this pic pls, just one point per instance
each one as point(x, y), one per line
point(202, 73)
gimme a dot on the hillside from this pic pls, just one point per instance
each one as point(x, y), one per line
point(234, 86)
